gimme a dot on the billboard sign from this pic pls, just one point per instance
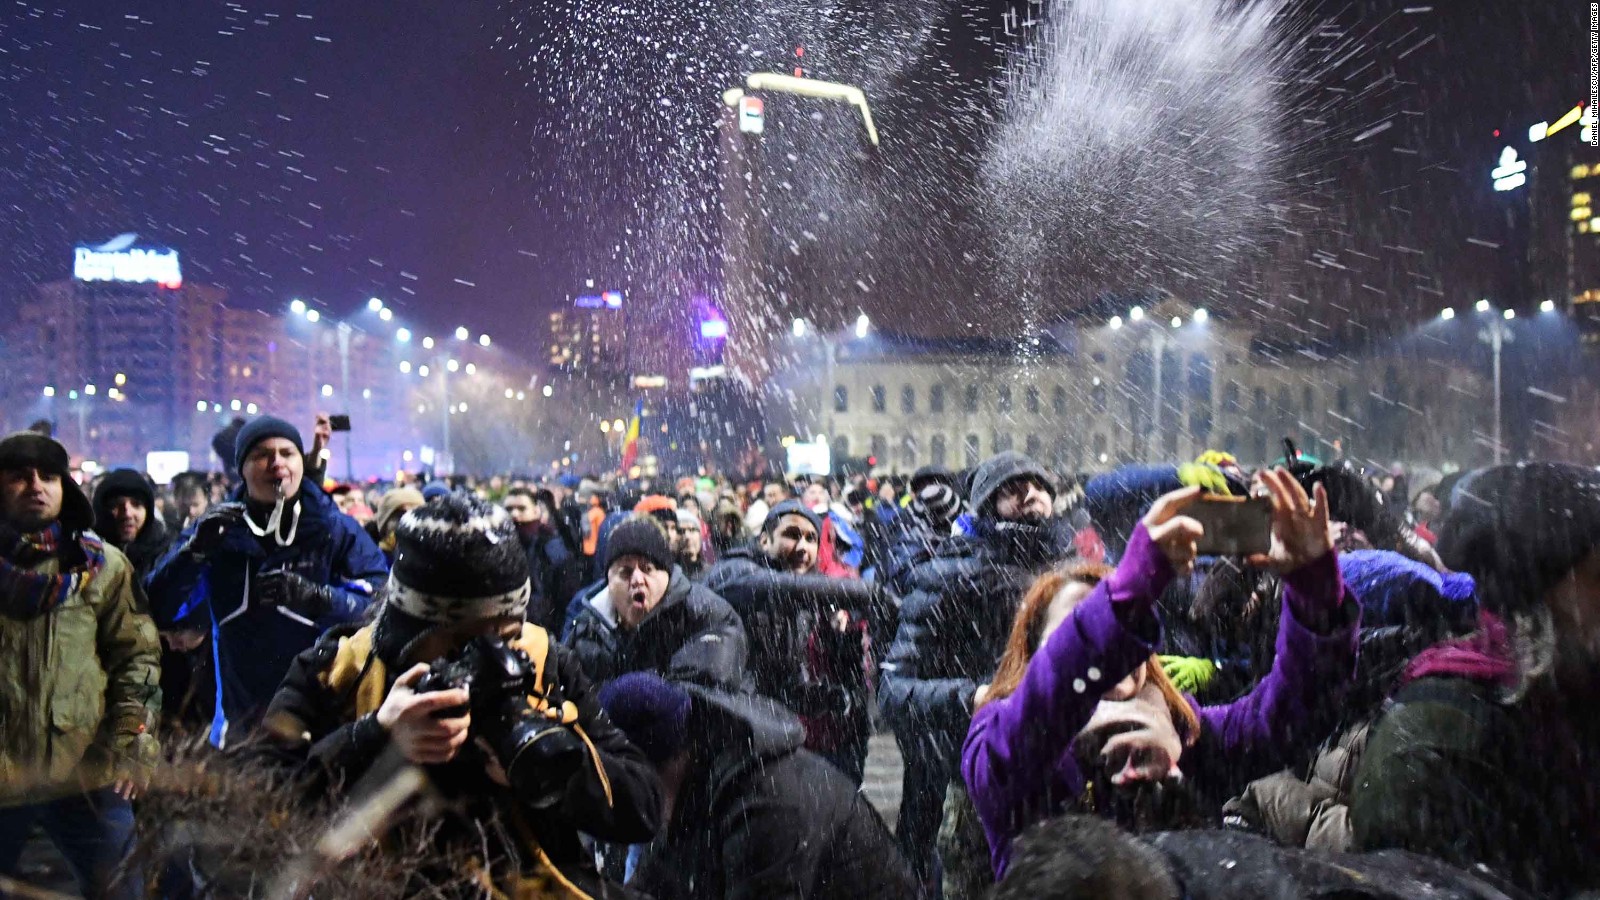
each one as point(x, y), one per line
point(603, 300)
point(119, 261)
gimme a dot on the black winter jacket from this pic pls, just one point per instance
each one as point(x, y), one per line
point(310, 731)
point(759, 817)
point(954, 620)
point(692, 635)
point(779, 610)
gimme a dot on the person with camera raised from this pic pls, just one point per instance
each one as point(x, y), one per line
point(502, 718)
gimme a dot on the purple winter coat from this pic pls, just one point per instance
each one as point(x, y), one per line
point(1018, 761)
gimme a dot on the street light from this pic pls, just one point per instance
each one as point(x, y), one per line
point(427, 343)
point(483, 340)
point(452, 365)
point(1177, 321)
point(385, 314)
point(1497, 334)
point(863, 325)
point(313, 316)
point(405, 367)
point(1136, 314)
point(89, 389)
point(121, 379)
point(462, 333)
point(1483, 305)
point(1447, 313)
point(799, 328)
point(374, 304)
point(403, 335)
point(1509, 314)
point(1547, 306)
point(1116, 322)
point(472, 368)
point(1200, 317)
point(327, 390)
point(49, 390)
point(548, 391)
point(298, 307)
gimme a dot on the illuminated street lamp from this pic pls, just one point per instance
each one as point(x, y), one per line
point(1483, 305)
point(863, 325)
point(49, 390)
point(1447, 313)
point(483, 340)
point(1136, 314)
point(298, 307)
point(462, 333)
point(313, 316)
point(1200, 316)
point(374, 304)
point(1116, 322)
point(403, 335)
point(1547, 306)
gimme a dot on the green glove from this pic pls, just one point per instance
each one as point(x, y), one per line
point(1201, 475)
point(1189, 674)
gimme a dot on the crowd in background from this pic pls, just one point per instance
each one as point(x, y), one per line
point(1388, 697)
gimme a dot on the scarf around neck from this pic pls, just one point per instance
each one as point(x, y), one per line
point(25, 593)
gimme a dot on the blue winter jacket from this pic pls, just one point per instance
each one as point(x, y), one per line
point(252, 646)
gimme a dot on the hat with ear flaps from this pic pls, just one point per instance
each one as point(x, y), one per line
point(31, 450)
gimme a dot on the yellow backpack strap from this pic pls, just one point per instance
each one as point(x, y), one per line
point(535, 642)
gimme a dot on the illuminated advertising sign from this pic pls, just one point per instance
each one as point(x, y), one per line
point(113, 262)
point(713, 329)
point(1511, 173)
point(603, 300)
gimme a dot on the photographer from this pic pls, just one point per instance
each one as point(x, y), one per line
point(521, 754)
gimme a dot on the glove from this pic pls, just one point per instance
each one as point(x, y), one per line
point(212, 527)
point(1204, 476)
point(1189, 674)
point(294, 592)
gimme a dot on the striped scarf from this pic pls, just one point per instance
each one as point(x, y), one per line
point(24, 593)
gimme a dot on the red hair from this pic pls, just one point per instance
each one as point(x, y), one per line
point(1027, 632)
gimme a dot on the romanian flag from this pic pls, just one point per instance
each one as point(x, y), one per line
point(630, 443)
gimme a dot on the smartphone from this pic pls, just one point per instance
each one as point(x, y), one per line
point(339, 423)
point(1235, 526)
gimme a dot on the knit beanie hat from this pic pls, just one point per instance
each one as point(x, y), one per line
point(123, 483)
point(1396, 590)
point(639, 536)
point(937, 503)
point(790, 508)
point(688, 521)
point(434, 490)
point(458, 560)
point(259, 429)
point(1001, 468)
point(31, 450)
point(652, 712)
point(926, 474)
point(1520, 529)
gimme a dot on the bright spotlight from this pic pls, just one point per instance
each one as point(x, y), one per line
point(1483, 305)
point(405, 367)
point(863, 324)
point(49, 390)
point(327, 390)
point(298, 307)
point(427, 343)
point(374, 304)
point(1547, 306)
point(462, 333)
point(423, 371)
point(483, 340)
point(452, 365)
point(548, 391)
point(1116, 322)
point(1136, 314)
point(1508, 315)
point(1447, 313)
point(799, 328)
point(251, 408)
point(1177, 321)
point(386, 314)
point(1201, 316)
point(313, 316)
point(199, 406)
point(403, 335)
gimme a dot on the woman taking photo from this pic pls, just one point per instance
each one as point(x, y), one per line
point(1080, 717)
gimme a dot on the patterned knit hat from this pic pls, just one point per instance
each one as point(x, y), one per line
point(937, 503)
point(457, 560)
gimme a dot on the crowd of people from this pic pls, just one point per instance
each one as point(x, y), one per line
point(590, 686)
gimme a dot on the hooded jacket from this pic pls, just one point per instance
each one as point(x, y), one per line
point(953, 627)
point(254, 645)
point(760, 817)
point(691, 635)
point(1018, 761)
point(772, 604)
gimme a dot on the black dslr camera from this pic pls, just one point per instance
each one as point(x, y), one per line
point(539, 755)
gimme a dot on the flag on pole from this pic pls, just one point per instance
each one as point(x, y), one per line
point(630, 442)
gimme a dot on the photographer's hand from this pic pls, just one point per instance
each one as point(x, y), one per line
point(408, 717)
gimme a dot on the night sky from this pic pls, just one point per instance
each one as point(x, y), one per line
point(423, 152)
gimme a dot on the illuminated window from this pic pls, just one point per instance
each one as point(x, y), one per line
point(1581, 198)
point(1581, 212)
point(1579, 172)
point(1583, 227)
point(247, 371)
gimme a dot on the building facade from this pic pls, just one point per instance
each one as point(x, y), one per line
point(1084, 400)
